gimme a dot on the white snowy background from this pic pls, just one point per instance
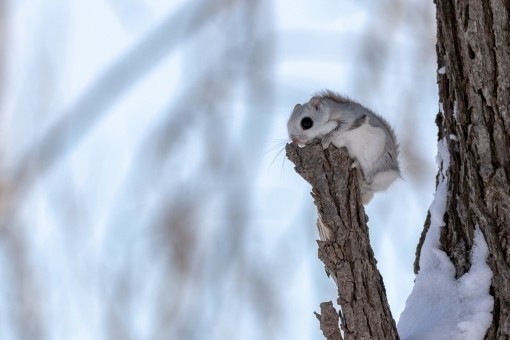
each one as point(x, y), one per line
point(143, 194)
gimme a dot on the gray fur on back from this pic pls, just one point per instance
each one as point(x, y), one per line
point(357, 115)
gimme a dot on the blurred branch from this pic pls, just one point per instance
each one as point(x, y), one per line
point(108, 87)
point(345, 251)
point(225, 180)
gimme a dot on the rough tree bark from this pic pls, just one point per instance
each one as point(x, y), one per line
point(473, 46)
point(345, 246)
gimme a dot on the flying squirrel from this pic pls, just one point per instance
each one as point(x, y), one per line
point(368, 137)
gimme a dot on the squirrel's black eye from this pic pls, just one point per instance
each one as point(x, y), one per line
point(306, 123)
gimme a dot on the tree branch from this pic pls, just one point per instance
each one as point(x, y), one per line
point(344, 247)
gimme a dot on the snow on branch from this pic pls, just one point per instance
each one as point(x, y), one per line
point(344, 247)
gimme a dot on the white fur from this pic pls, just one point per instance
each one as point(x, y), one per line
point(365, 144)
point(383, 180)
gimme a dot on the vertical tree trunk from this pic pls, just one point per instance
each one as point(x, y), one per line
point(473, 50)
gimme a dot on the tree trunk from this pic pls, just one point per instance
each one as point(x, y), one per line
point(473, 50)
point(345, 246)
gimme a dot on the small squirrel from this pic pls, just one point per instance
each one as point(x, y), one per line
point(369, 139)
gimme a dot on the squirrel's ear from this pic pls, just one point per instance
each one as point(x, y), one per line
point(315, 102)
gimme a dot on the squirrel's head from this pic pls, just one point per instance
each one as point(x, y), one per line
point(310, 121)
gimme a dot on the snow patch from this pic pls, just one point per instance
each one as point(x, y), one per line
point(442, 70)
point(440, 306)
point(453, 137)
point(443, 162)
